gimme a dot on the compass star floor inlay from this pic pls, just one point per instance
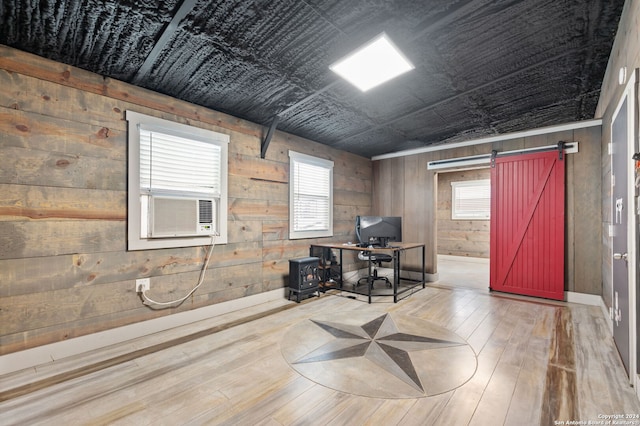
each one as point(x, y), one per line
point(379, 354)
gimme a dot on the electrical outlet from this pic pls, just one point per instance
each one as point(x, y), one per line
point(143, 284)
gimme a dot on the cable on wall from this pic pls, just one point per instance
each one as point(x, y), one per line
point(148, 301)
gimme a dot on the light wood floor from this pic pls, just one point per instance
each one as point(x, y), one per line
point(537, 362)
point(467, 272)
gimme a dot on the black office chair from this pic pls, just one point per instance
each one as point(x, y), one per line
point(371, 238)
point(376, 260)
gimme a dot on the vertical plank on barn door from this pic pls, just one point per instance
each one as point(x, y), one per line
point(527, 225)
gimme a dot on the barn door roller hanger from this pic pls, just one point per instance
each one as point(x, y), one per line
point(562, 147)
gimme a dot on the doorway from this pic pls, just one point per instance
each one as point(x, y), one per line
point(462, 242)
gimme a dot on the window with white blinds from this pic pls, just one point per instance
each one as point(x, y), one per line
point(471, 199)
point(311, 196)
point(177, 188)
point(179, 165)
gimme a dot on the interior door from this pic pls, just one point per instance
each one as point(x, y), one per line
point(620, 202)
point(527, 224)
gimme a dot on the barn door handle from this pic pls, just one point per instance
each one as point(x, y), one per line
point(618, 256)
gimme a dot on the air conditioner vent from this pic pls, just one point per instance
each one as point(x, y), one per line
point(206, 211)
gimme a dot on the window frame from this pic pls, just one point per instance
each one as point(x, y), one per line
point(455, 214)
point(296, 157)
point(135, 219)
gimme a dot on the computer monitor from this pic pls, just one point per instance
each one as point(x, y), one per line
point(378, 230)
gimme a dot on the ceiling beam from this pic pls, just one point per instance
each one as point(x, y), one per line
point(267, 139)
point(165, 36)
point(308, 98)
point(276, 118)
point(328, 86)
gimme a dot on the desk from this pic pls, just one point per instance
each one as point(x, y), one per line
point(395, 249)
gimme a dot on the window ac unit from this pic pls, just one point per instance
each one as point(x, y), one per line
point(181, 217)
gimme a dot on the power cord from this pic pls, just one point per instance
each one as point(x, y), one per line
point(148, 301)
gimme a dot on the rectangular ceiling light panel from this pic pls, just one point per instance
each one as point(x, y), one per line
point(372, 64)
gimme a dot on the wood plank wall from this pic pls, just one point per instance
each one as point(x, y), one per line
point(64, 267)
point(460, 237)
point(403, 186)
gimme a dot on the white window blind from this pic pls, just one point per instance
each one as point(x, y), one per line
point(311, 209)
point(471, 199)
point(176, 164)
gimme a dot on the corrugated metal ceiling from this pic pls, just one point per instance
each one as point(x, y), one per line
point(483, 67)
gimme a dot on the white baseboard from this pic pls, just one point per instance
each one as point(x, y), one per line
point(47, 353)
point(416, 275)
point(448, 257)
point(592, 300)
point(583, 298)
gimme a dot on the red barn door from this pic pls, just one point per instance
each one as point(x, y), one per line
point(527, 225)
